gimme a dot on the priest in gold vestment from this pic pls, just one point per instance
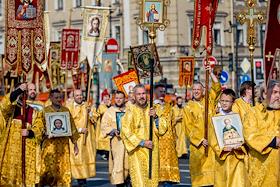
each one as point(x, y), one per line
point(11, 139)
point(201, 167)
point(111, 127)
point(102, 144)
point(243, 105)
point(38, 106)
point(168, 161)
point(135, 135)
point(82, 165)
point(230, 170)
point(56, 170)
point(181, 144)
point(261, 132)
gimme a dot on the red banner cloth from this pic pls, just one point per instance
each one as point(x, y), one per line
point(25, 40)
point(70, 49)
point(272, 40)
point(42, 74)
point(204, 16)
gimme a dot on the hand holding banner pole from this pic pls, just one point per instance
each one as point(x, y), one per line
point(152, 25)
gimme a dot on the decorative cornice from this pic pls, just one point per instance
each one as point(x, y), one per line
point(61, 23)
point(190, 13)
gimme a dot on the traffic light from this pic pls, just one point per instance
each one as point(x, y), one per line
point(258, 69)
point(196, 74)
point(230, 62)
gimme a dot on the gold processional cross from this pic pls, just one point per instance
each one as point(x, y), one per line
point(252, 17)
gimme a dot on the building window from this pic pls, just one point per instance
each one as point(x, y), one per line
point(115, 2)
point(59, 5)
point(118, 34)
point(261, 34)
point(77, 3)
point(145, 37)
point(1, 44)
point(217, 34)
point(1, 8)
point(191, 31)
point(241, 35)
point(57, 35)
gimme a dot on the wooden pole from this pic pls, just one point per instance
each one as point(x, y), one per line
point(88, 99)
point(66, 77)
point(23, 138)
point(152, 36)
point(206, 104)
point(151, 118)
point(67, 58)
point(186, 94)
point(252, 77)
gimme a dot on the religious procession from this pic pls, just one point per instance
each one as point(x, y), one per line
point(139, 93)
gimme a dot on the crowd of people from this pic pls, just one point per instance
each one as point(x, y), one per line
point(121, 133)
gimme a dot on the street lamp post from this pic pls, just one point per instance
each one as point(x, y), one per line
point(96, 74)
point(230, 30)
point(236, 55)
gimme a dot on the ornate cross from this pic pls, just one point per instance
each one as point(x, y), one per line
point(269, 56)
point(251, 17)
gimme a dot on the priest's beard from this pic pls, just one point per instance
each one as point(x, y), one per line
point(275, 106)
point(179, 105)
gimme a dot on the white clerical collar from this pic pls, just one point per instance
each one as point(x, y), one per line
point(158, 101)
point(224, 112)
point(119, 109)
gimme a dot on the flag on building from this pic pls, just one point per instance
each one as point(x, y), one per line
point(272, 41)
point(204, 17)
point(95, 22)
point(25, 40)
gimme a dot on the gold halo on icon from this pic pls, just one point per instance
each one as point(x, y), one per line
point(30, 1)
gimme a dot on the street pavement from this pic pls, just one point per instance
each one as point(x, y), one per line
point(102, 177)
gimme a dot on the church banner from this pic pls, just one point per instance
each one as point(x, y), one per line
point(81, 76)
point(274, 73)
point(126, 81)
point(95, 22)
point(186, 71)
point(70, 46)
point(25, 40)
point(142, 56)
point(204, 17)
point(272, 41)
point(108, 70)
point(54, 64)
